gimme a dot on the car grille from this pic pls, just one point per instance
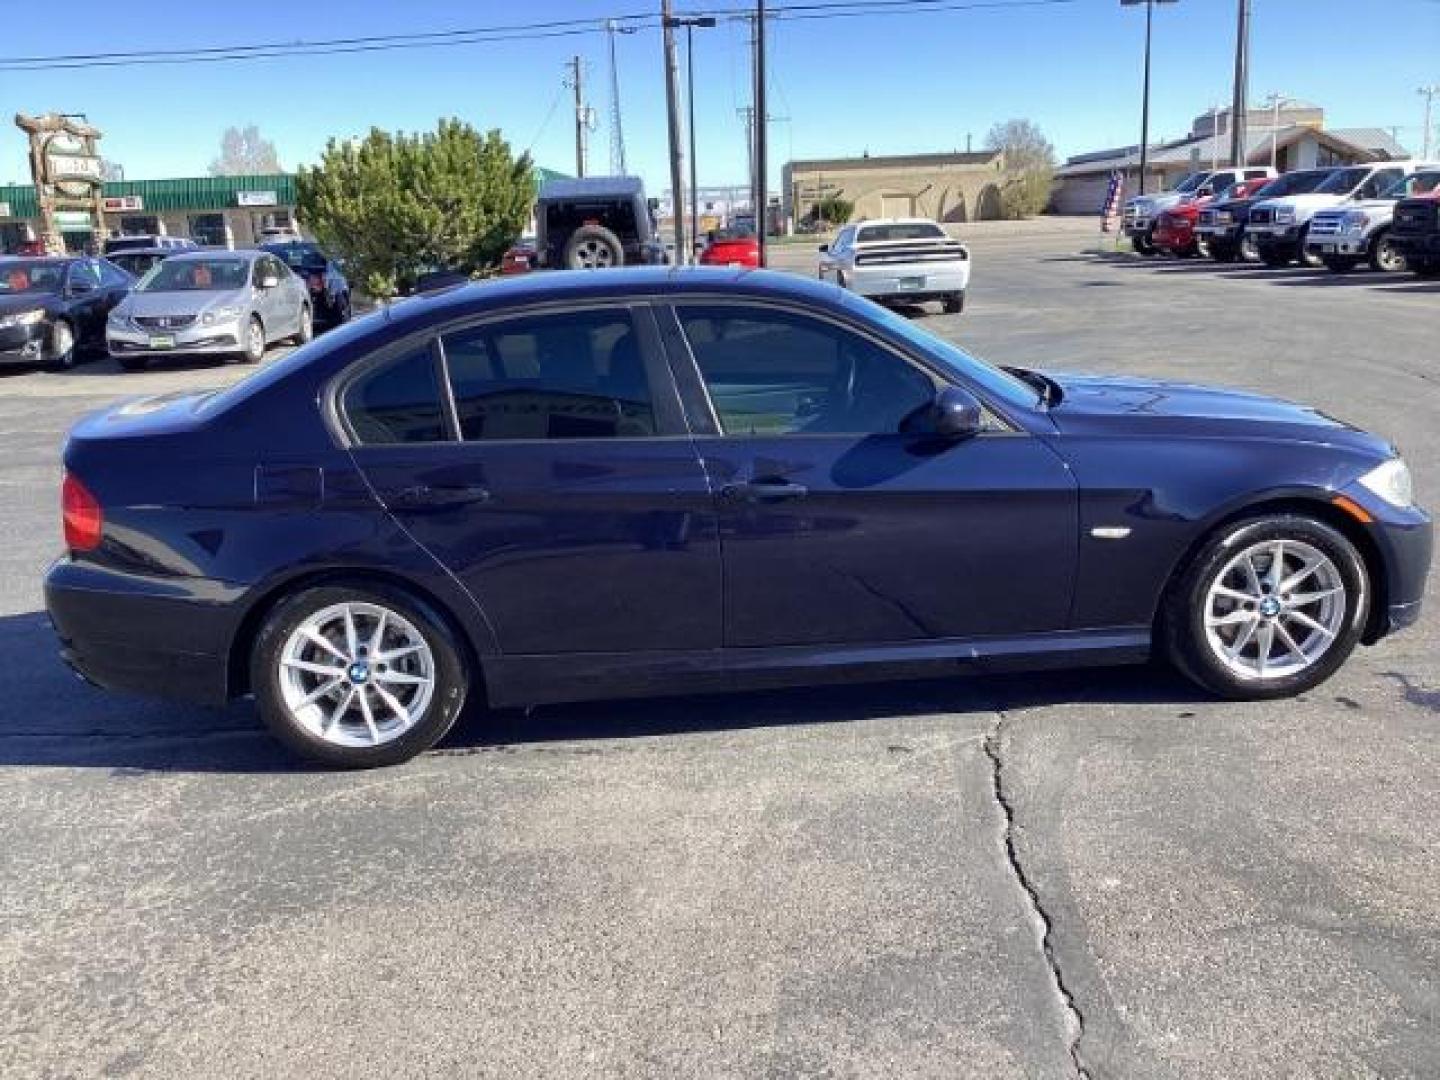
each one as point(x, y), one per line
point(1416, 216)
point(1262, 217)
point(164, 322)
point(913, 253)
point(1327, 224)
point(1207, 217)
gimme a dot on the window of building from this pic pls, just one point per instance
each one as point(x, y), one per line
point(779, 373)
point(563, 375)
point(397, 402)
point(208, 229)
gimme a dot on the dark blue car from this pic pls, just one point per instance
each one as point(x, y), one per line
point(575, 485)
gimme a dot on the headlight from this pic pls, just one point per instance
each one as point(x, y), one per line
point(1223, 217)
point(1391, 481)
point(219, 314)
point(1356, 222)
point(117, 317)
point(23, 318)
point(1285, 215)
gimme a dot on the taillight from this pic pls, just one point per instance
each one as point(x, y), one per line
point(83, 518)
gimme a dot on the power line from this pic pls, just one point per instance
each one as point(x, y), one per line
point(499, 33)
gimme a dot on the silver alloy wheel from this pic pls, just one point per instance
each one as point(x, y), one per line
point(1275, 609)
point(357, 674)
point(255, 340)
point(62, 343)
point(1388, 257)
point(594, 255)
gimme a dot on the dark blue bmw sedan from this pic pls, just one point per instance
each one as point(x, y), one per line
point(568, 486)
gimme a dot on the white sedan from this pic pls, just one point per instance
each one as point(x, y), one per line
point(910, 259)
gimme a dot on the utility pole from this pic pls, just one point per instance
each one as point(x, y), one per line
point(677, 153)
point(617, 131)
point(1428, 93)
point(747, 116)
point(1275, 100)
point(761, 117)
point(576, 83)
point(1239, 105)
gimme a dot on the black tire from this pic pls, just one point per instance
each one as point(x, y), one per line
point(306, 333)
point(1340, 264)
point(1385, 256)
point(954, 304)
point(1144, 245)
point(446, 703)
point(133, 363)
point(342, 310)
point(1184, 611)
point(1276, 258)
point(593, 247)
point(62, 350)
point(1224, 253)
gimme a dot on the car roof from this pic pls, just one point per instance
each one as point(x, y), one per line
point(168, 252)
point(592, 187)
point(193, 255)
point(628, 282)
point(897, 221)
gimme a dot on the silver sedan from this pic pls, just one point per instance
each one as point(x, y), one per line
point(228, 303)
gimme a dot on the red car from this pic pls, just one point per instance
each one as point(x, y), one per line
point(519, 259)
point(731, 247)
point(1175, 228)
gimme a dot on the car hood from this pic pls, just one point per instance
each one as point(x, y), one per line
point(1311, 202)
point(183, 302)
point(1156, 202)
point(26, 302)
point(1113, 405)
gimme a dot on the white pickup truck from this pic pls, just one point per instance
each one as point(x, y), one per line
point(1141, 212)
point(1280, 228)
point(1343, 238)
point(910, 259)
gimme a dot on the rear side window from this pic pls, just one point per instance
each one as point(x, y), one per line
point(397, 402)
point(562, 375)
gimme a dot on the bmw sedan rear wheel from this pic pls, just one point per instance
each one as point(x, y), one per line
point(357, 677)
point(1269, 608)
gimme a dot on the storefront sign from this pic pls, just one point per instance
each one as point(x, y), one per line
point(123, 204)
point(256, 198)
point(74, 220)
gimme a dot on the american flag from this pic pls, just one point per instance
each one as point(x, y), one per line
point(1111, 213)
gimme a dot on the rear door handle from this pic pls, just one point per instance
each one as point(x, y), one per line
point(772, 489)
point(434, 496)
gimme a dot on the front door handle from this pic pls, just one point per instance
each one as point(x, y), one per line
point(440, 496)
point(770, 489)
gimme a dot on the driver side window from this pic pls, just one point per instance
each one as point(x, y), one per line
point(773, 372)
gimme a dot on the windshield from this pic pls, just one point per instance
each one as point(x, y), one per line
point(24, 276)
point(1190, 182)
point(1422, 183)
point(1000, 385)
point(900, 230)
point(1342, 181)
point(137, 262)
point(196, 275)
point(1296, 183)
point(298, 256)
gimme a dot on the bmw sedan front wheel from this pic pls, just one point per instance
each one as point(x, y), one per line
point(1270, 607)
point(357, 677)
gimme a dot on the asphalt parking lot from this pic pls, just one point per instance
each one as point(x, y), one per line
point(1025, 876)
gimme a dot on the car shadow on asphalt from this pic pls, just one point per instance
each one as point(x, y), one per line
point(52, 719)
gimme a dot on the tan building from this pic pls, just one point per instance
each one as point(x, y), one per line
point(946, 187)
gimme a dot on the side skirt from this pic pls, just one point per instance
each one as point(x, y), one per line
point(542, 679)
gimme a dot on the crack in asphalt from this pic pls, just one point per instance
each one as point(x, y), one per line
point(1044, 927)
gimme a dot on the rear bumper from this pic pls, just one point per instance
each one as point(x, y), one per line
point(153, 637)
point(917, 280)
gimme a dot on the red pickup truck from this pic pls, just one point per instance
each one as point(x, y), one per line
point(1175, 228)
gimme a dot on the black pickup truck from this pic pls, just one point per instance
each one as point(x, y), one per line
point(1415, 230)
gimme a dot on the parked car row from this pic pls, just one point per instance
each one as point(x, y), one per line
point(1380, 213)
point(150, 299)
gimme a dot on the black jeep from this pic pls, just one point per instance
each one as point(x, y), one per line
point(1415, 230)
point(595, 223)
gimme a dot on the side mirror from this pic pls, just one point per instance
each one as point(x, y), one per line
point(269, 281)
point(824, 248)
point(956, 414)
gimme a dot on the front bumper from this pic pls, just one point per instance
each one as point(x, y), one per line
point(1426, 245)
point(139, 635)
point(1275, 235)
point(129, 340)
point(1356, 245)
point(1404, 542)
point(23, 344)
point(915, 280)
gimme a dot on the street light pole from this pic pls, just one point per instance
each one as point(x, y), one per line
point(762, 118)
point(1145, 102)
point(672, 22)
point(1428, 93)
point(1239, 106)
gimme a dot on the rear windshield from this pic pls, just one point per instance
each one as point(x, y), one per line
point(298, 256)
point(1296, 183)
point(1342, 181)
point(900, 230)
point(196, 275)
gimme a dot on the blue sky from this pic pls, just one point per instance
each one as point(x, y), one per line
point(882, 83)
